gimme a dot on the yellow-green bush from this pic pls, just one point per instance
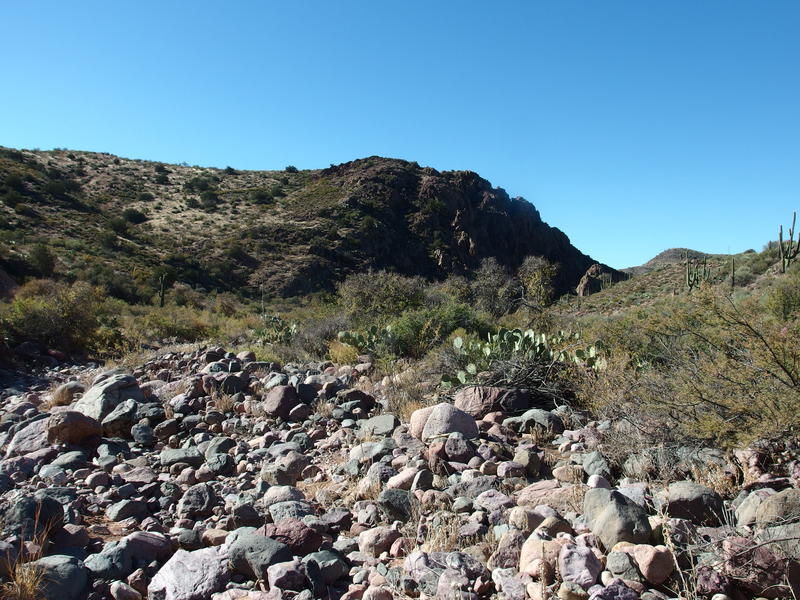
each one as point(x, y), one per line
point(54, 315)
point(702, 366)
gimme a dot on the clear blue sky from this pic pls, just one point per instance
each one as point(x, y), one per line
point(633, 126)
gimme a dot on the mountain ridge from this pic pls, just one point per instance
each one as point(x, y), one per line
point(284, 233)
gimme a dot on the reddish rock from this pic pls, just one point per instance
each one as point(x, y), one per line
point(280, 401)
point(478, 401)
point(301, 538)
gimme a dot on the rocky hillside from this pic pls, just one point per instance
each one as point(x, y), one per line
point(125, 223)
point(206, 474)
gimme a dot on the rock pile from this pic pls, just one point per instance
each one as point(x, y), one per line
point(213, 475)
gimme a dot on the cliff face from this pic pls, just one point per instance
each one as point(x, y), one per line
point(419, 221)
point(123, 222)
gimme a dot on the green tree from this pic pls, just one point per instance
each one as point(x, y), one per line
point(42, 260)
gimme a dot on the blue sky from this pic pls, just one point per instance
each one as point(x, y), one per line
point(633, 126)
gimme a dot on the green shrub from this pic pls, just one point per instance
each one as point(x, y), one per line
point(702, 367)
point(291, 169)
point(145, 197)
point(416, 332)
point(42, 260)
point(54, 315)
point(377, 297)
point(134, 216)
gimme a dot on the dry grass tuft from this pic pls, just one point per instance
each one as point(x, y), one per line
point(223, 402)
point(26, 582)
point(342, 354)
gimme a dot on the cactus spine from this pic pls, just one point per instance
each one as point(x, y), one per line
point(788, 251)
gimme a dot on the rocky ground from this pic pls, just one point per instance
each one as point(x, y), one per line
point(210, 475)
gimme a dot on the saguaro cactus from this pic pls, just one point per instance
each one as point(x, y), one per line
point(788, 250)
point(696, 272)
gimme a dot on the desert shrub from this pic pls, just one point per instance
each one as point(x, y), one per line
point(291, 169)
point(493, 288)
point(782, 300)
point(261, 197)
point(209, 199)
point(131, 215)
point(703, 367)
point(54, 315)
point(42, 260)
point(170, 323)
point(416, 332)
point(536, 276)
point(118, 225)
point(376, 297)
point(313, 336)
point(341, 353)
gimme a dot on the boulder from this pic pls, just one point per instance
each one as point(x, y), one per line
point(72, 427)
point(615, 518)
point(691, 501)
point(63, 577)
point(190, 576)
point(107, 393)
point(251, 553)
point(280, 401)
point(444, 419)
point(478, 401)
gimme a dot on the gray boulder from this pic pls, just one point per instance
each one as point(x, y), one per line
point(251, 553)
point(63, 577)
point(107, 393)
point(198, 502)
point(119, 421)
point(614, 518)
point(691, 501)
point(445, 419)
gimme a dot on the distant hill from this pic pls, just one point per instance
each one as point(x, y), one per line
point(667, 257)
point(126, 223)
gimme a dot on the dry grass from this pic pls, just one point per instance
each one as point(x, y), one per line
point(224, 403)
point(25, 581)
point(342, 354)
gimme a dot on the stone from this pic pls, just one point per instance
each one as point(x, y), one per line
point(478, 401)
point(615, 518)
point(325, 568)
point(417, 421)
point(110, 390)
point(280, 401)
point(251, 553)
point(656, 563)
point(691, 501)
point(396, 504)
point(30, 438)
point(579, 565)
point(122, 591)
point(119, 421)
point(378, 426)
point(299, 537)
point(197, 502)
point(289, 575)
point(782, 507)
point(446, 418)
point(63, 577)
point(31, 515)
point(72, 427)
point(125, 509)
point(172, 456)
point(375, 541)
point(190, 576)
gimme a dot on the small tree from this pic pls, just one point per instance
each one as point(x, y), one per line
point(42, 260)
point(536, 276)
